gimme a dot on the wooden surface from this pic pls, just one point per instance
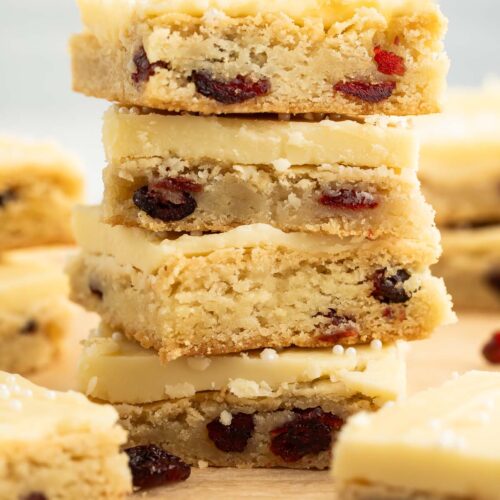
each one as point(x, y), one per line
point(430, 362)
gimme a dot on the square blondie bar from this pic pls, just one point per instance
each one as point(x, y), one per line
point(58, 445)
point(240, 410)
point(192, 173)
point(35, 313)
point(254, 287)
point(287, 56)
point(39, 184)
point(437, 445)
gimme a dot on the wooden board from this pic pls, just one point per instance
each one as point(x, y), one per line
point(455, 348)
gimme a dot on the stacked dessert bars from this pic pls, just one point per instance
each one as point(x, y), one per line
point(238, 257)
point(460, 174)
point(39, 184)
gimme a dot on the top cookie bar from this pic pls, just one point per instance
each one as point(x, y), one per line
point(235, 56)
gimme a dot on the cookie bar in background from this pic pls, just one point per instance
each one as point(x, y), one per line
point(241, 410)
point(460, 159)
point(470, 266)
point(191, 173)
point(255, 286)
point(58, 445)
point(437, 445)
point(288, 56)
point(39, 184)
point(35, 313)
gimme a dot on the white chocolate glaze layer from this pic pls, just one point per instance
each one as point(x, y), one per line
point(109, 18)
point(24, 283)
point(257, 141)
point(109, 360)
point(143, 250)
point(442, 441)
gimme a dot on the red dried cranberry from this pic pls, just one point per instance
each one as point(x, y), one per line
point(7, 196)
point(390, 289)
point(36, 495)
point(389, 63)
point(152, 466)
point(493, 279)
point(169, 199)
point(337, 328)
point(239, 89)
point(144, 69)
point(29, 328)
point(233, 437)
point(309, 433)
point(368, 92)
point(348, 199)
point(491, 350)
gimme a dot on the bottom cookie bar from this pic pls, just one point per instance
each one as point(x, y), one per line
point(256, 409)
point(58, 445)
point(34, 314)
point(437, 445)
point(470, 267)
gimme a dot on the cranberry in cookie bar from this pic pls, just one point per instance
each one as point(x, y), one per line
point(470, 266)
point(460, 159)
point(192, 173)
point(39, 184)
point(58, 445)
point(261, 408)
point(218, 57)
point(255, 286)
point(437, 445)
point(34, 314)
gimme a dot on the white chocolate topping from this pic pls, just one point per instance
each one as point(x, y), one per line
point(257, 141)
point(148, 252)
point(106, 363)
point(108, 19)
point(29, 412)
point(443, 441)
point(24, 284)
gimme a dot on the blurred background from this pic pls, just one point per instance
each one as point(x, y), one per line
point(36, 98)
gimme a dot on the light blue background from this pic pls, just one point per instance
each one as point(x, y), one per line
point(35, 95)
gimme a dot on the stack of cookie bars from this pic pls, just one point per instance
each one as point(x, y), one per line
point(263, 243)
point(39, 185)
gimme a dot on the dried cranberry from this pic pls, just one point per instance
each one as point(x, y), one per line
point(36, 495)
point(368, 92)
point(337, 328)
point(349, 199)
point(152, 466)
point(389, 63)
point(144, 69)
point(491, 350)
point(7, 196)
point(96, 290)
point(493, 279)
point(239, 89)
point(309, 433)
point(30, 327)
point(169, 199)
point(390, 289)
point(233, 437)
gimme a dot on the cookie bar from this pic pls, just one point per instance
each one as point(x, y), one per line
point(245, 409)
point(39, 184)
point(191, 173)
point(460, 160)
point(436, 445)
point(34, 314)
point(470, 267)
point(58, 445)
point(254, 287)
point(288, 56)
